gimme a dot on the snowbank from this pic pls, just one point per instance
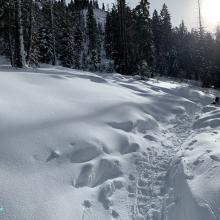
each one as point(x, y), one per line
point(77, 145)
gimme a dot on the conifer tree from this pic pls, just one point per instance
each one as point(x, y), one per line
point(108, 36)
point(143, 35)
point(78, 40)
point(165, 45)
point(217, 59)
point(54, 55)
point(103, 6)
point(155, 26)
point(7, 29)
point(92, 39)
point(20, 52)
point(123, 50)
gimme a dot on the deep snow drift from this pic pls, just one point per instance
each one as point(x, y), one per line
point(76, 145)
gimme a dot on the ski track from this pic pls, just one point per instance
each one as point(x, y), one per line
point(151, 196)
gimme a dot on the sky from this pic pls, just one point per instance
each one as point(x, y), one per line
point(186, 10)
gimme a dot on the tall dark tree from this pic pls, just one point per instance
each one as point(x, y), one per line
point(20, 52)
point(54, 57)
point(7, 29)
point(217, 59)
point(92, 39)
point(166, 53)
point(143, 35)
point(156, 31)
point(123, 65)
point(108, 36)
point(78, 40)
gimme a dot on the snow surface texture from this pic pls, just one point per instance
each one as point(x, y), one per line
point(82, 146)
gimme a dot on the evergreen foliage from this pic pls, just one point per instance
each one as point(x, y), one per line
point(130, 41)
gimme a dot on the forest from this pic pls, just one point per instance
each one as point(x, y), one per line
point(83, 35)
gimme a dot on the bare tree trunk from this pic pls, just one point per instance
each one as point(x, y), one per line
point(123, 37)
point(201, 29)
point(54, 60)
point(10, 41)
point(30, 32)
point(20, 52)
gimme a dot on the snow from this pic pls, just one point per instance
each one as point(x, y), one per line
point(78, 145)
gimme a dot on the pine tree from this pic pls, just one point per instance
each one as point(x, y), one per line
point(7, 30)
point(123, 51)
point(103, 6)
point(54, 55)
point(99, 45)
point(92, 39)
point(156, 31)
point(30, 30)
point(84, 62)
point(20, 52)
point(35, 24)
point(78, 39)
point(143, 35)
point(165, 46)
point(45, 45)
point(217, 59)
point(108, 36)
point(67, 54)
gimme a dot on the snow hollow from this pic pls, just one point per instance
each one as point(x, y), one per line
point(82, 146)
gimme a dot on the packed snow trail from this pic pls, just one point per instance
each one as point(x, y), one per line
point(150, 191)
point(78, 145)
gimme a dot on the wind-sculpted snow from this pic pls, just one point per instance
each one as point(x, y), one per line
point(84, 146)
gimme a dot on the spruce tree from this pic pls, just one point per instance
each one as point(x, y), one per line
point(165, 46)
point(123, 50)
point(143, 35)
point(217, 59)
point(156, 31)
point(92, 39)
point(20, 52)
point(78, 40)
point(52, 26)
point(108, 36)
point(7, 30)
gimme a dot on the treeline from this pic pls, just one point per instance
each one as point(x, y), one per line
point(139, 43)
point(53, 32)
point(81, 35)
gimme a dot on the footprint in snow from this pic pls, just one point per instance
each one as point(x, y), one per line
point(215, 158)
point(150, 138)
point(192, 142)
point(115, 214)
point(87, 204)
point(198, 162)
point(131, 177)
point(53, 155)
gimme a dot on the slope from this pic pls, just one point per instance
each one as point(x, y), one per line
point(77, 145)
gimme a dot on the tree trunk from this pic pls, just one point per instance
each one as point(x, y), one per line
point(20, 53)
point(123, 38)
point(10, 41)
point(30, 32)
point(54, 60)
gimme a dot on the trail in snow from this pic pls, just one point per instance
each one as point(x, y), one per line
point(151, 194)
point(106, 147)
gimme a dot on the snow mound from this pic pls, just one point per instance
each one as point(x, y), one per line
point(79, 145)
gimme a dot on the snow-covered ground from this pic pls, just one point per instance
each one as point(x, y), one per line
point(81, 146)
